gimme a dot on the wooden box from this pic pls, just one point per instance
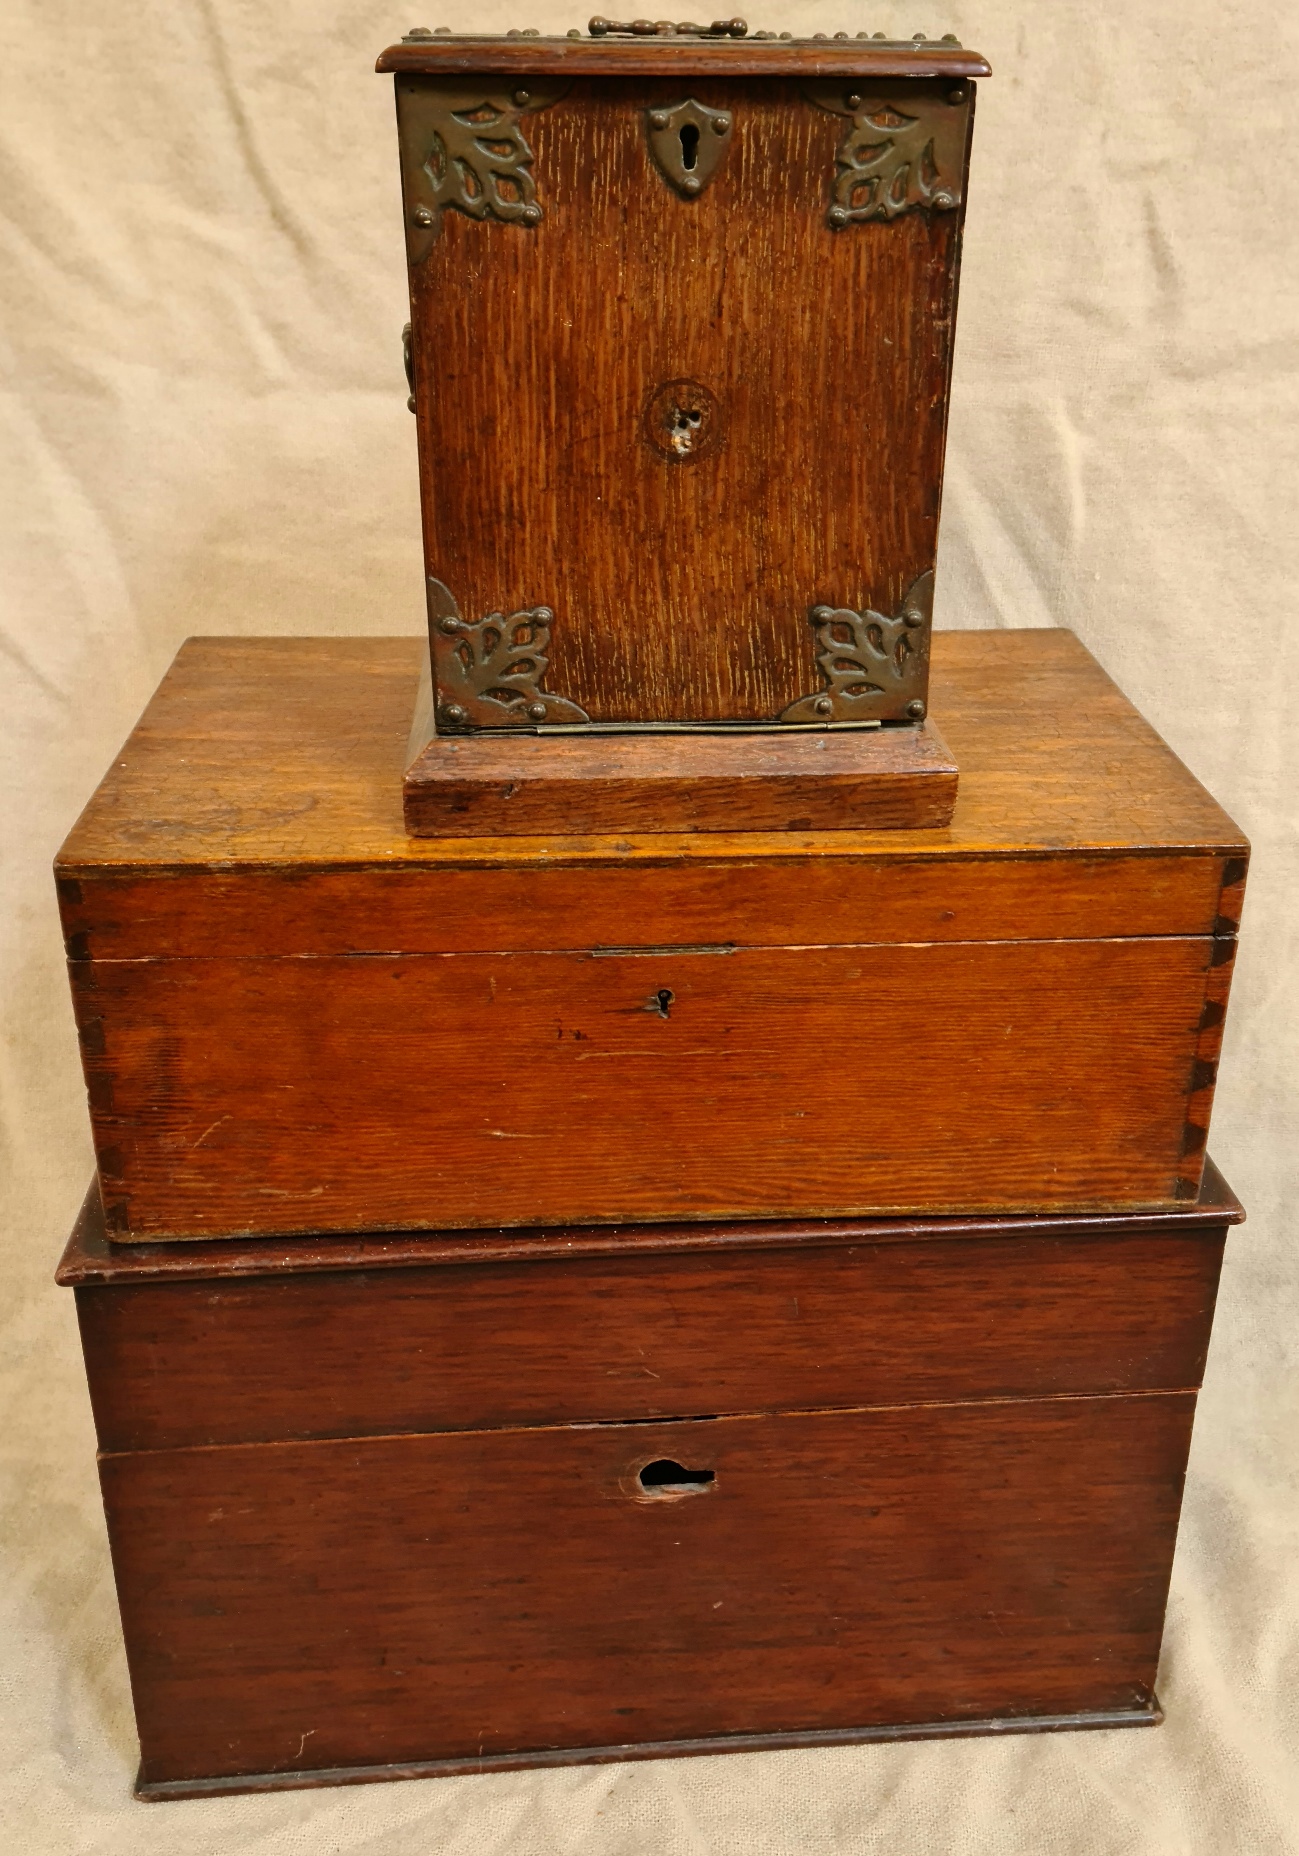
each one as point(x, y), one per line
point(444, 1504)
point(682, 312)
point(293, 1017)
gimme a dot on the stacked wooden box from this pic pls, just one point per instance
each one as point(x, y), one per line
point(581, 1294)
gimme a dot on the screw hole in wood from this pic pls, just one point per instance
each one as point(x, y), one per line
point(665, 1477)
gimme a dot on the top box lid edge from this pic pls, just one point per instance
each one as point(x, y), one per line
point(446, 54)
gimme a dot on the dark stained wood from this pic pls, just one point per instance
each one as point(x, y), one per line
point(388, 1600)
point(881, 779)
point(1097, 1719)
point(682, 57)
point(682, 591)
point(644, 1336)
point(89, 1258)
point(410, 1091)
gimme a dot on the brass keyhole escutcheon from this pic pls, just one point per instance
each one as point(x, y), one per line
point(689, 142)
point(682, 421)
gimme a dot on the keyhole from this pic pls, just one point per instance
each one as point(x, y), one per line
point(660, 1001)
point(685, 424)
point(689, 133)
point(664, 1477)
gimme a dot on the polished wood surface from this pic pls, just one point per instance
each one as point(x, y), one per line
point(1037, 993)
point(260, 796)
point(409, 1091)
point(340, 1603)
point(682, 587)
point(638, 1337)
point(89, 1258)
point(681, 57)
point(937, 1467)
point(877, 779)
point(1138, 1714)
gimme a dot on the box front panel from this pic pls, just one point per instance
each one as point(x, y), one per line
point(681, 423)
point(346, 1352)
point(306, 1606)
point(430, 1091)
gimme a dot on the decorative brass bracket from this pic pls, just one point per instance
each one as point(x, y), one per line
point(875, 668)
point(664, 29)
point(463, 147)
point(689, 142)
point(488, 673)
point(902, 150)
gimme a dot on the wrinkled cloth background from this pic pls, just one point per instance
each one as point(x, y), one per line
point(204, 429)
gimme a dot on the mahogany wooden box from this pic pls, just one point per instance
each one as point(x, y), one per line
point(293, 1017)
point(683, 305)
point(443, 1503)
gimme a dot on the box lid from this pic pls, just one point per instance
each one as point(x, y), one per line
point(645, 48)
point(256, 809)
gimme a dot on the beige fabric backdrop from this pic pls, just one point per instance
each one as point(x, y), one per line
point(204, 429)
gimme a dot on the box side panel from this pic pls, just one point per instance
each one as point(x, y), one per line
point(347, 1603)
point(642, 1337)
point(473, 1091)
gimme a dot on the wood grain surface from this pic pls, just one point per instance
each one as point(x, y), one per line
point(877, 779)
point(342, 1353)
point(1139, 1714)
point(90, 1258)
point(682, 57)
point(682, 587)
point(353, 1602)
point(412, 1091)
point(256, 808)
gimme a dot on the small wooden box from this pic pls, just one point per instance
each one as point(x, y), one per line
point(293, 1017)
point(444, 1504)
point(682, 312)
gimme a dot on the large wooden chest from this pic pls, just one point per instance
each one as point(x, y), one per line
point(295, 1018)
point(380, 1507)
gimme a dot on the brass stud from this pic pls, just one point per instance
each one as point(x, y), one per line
point(821, 613)
point(823, 706)
point(721, 124)
point(658, 119)
point(422, 216)
point(522, 96)
point(543, 615)
point(837, 216)
point(912, 617)
point(450, 625)
point(530, 215)
point(916, 711)
point(453, 712)
point(537, 711)
point(944, 202)
point(691, 184)
point(956, 96)
point(853, 101)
